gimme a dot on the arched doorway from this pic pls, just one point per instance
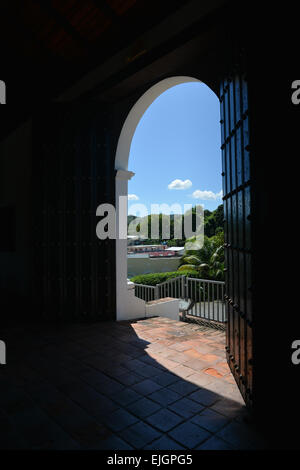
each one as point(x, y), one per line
point(237, 219)
point(126, 305)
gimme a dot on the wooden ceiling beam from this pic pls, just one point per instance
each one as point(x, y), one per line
point(64, 23)
point(107, 10)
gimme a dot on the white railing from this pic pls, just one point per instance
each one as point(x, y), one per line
point(172, 288)
point(208, 299)
point(202, 298)
point(144, 292)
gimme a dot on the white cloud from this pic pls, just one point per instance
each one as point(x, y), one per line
point(180, 184)
point(133, 197)
point(207, 195)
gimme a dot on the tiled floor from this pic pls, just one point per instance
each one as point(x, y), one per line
point(149, 384)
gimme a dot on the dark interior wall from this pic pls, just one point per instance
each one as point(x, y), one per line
point(74, 271)
point(206, 56)
point(15, 194)
point(196, 54)
point(274, 144)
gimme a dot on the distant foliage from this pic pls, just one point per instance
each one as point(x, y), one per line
point(130, 218)
point(208, 261)
point(157, 278)
point(213, 223)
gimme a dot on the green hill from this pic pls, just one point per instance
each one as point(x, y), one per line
point(213, 223)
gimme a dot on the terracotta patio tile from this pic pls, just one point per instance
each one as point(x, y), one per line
point(200, 379)
point(183, 387)
point(129, 379)
point(163, 398)
point(225, 370)
point(165, 342)
point(186, 407)
point(164, 420)
point(227, 391)
point(140, 434)
point(192, 353)
point(213, 372)
point(224, 365)
point(209, 357)
point(165, 378)
point(165, 353)
point(143, 408)
point(182, 346)
point(183, 371)
point(203, 340)
point(203, 348)
point(178, 357)
point(167, 363)
point(220, 352)
point(229, 379)
point(155, 347)
point(196, 364)
point(96, 402)
point(192, 343)
point(215, 443)
point(189, 434)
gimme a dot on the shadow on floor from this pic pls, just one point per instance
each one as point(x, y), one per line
point(148, 384)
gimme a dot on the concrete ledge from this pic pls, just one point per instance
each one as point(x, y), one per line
point(160, 301)
point(167, 307)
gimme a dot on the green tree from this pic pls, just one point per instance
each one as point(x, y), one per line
point(213, 221)
point(209, 260)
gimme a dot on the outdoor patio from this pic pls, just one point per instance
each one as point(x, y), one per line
point(148, 384)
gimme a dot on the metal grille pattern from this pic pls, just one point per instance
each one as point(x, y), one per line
point(204, 298)
point(237, 209)
point(75, 271)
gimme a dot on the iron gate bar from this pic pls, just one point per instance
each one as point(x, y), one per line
point(237, 226)
point(203, 293)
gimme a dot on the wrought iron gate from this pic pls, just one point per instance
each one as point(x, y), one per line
point(74, 271)
point(237, 224)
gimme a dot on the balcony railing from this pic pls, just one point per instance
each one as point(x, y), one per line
point(147, 293)
point(202, 298)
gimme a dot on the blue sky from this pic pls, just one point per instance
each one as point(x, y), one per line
point(177, 145)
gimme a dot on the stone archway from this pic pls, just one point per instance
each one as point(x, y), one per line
point(128, 306)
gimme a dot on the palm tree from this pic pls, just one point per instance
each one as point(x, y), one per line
point(208, 261)
point(217, 263)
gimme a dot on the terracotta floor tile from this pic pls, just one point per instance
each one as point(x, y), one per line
point(215, 443)
point(192, 353)
point(229, 379)
point(197, 365)
point(213, 372)
point(209, 357)
point(183, 371)
point(200, 379)
point(224, 365)
point(203, 348)
point(180, 358)
point(167, 363)
point(164, 420)
point(152, 383)
point(164, 443)
point(189, 434)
